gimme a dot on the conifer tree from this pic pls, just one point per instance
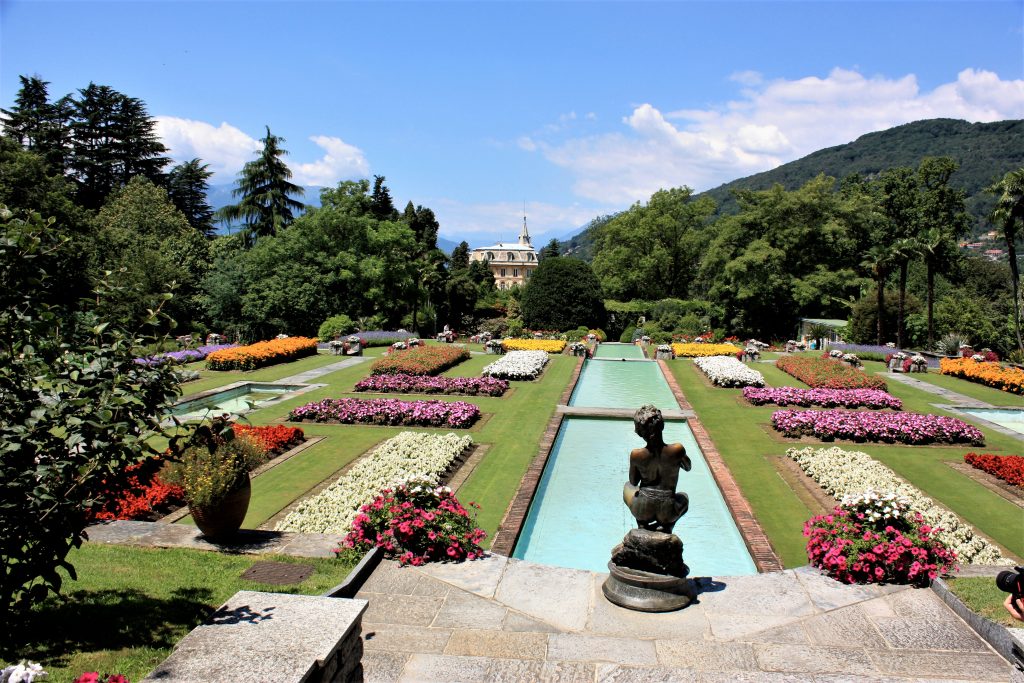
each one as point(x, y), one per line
point(38, 125)
point(380, 201)
point(187, 187)
point(265, 191)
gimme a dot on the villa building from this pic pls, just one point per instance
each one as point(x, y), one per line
point(512, 264)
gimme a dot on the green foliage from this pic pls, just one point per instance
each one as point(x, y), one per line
point(335, 326)
point(215, 465)
point(265, 193)
point(863, 325)
point(657, 245)
point(514, 328)
point(563, 293)
point(187, 187)
point(627, 335)
point(74, 409)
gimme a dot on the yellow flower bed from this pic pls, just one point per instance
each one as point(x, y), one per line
point(990, 374)
point(700, 350)
point(549, 345)
point(261, 353)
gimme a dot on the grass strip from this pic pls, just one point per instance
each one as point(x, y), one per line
point(130, 606)
point(979, 392)
point(982, 597)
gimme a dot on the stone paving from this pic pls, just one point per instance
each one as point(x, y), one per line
point(310, 375)
point(949, 395)
point(500, 619)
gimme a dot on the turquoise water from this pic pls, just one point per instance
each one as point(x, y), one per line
point(1011, 419)
point(578, 516)
point(607, 384)
point(618, 351)
point(236, 401)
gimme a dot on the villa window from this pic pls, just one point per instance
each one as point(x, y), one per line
point(490, 256)
point(511, 256)
point(515, 272)
point(503, 272)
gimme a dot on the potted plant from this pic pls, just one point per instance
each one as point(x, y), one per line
point(214, 473)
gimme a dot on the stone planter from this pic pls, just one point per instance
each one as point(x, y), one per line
point(222, 520)
point(663, 355)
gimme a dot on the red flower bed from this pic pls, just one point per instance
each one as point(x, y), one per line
point(1009, 468)
point(274, 439)
point(420, 360)
point(137, 492)
point(825, 373)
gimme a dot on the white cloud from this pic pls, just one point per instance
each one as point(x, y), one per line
point(226, 149)
point(341, 161)
point(481, 224)
point(770, 123)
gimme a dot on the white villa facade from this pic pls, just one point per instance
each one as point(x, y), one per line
point(512, 264)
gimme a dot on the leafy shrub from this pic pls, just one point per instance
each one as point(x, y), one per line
point(514, 327)
point(417, 523)
point(563, 293)
point(335, 326)
point(874, 538)
point(627, 335)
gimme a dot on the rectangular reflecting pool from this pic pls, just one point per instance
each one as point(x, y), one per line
point(618, 351)
point(623, 384)
point(235, 400)
point(577, 515)
point(1004, 417)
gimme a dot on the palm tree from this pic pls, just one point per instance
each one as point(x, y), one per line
point(879, 261)
point(903, 250)
point(266, 204)
point(1009, 214)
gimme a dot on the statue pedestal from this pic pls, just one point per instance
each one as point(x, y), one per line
point(648, 573)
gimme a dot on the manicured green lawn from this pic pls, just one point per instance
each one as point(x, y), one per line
point(982, 596)
point(746, 441)
point(211, 379)
point(971, 389)
point(130, 606)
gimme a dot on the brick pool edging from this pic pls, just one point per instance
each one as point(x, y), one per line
point(512, 523)
point(750, 529)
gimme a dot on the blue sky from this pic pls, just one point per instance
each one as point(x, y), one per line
point(578, 108)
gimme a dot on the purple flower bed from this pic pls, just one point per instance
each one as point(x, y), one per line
point(389, 411)
point(827, 398)
point(425, 384)
point(181, 357)
point(908, 428)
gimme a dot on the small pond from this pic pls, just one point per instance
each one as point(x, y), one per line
point(1011, 418)
point(234, 399)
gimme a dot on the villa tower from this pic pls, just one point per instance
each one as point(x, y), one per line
point(512, 264)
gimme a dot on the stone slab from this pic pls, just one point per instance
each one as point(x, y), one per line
point(754, 629)
point(467, 610)
point(404, 639)
point(826, 593)
point(257, 635)
point(846, 627)
point(925, 634)
point(502, 644)
point(534, 589)
point(961, 665)
point(588, 648)
point(407, 610)
point(479, 576)
point(813, 659)
point(773, 595)
point(607, 618)
point(920, 603)
point(616, 673)
point(514, 621)
point(383, 667)
point(707, 656)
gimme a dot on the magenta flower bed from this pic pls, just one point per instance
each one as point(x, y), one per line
point(419, 384)
point(826, 398)
point(908, 428)
point(389, 411)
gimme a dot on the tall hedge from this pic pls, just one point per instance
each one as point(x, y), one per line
point(563, 294)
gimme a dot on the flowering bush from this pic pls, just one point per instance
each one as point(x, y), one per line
point(410, 456)
point(842, 473)
point(419, 384)
point(186, 356)
point(991, 374)
point(908, 428)
point(417, 523)
point(726, 371)
point(420, 360)
point(547, 345)
point(94, 677)
point(389, 411)
point(23, 672)
point(827, 398)
point(1009, 468)
point(700, 349)
point(870, 538)
point(521, 365)
point(135, 492)
point(828, 373)
point(210, 470)
point(273, 439)
point(261, 353)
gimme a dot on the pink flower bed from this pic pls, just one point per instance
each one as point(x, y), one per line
point(907, 428)
point(389, 411)
point(826, 398)
point(419, 384)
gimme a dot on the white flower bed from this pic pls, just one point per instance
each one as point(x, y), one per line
point(848, 473)
point(517, 365)
point(726, 371)
point(408, 456)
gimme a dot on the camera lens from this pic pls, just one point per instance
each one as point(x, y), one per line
point(1006, 581)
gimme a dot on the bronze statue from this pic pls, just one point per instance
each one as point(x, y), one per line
point(650, 493)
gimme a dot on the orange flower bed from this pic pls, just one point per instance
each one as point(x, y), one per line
point(984, 372)
point(261, 353)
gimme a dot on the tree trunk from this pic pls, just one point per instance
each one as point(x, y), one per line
point(900, 324)
point(881, 310)
point(1015, 284)
point(415, 306)
point(931, 300)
